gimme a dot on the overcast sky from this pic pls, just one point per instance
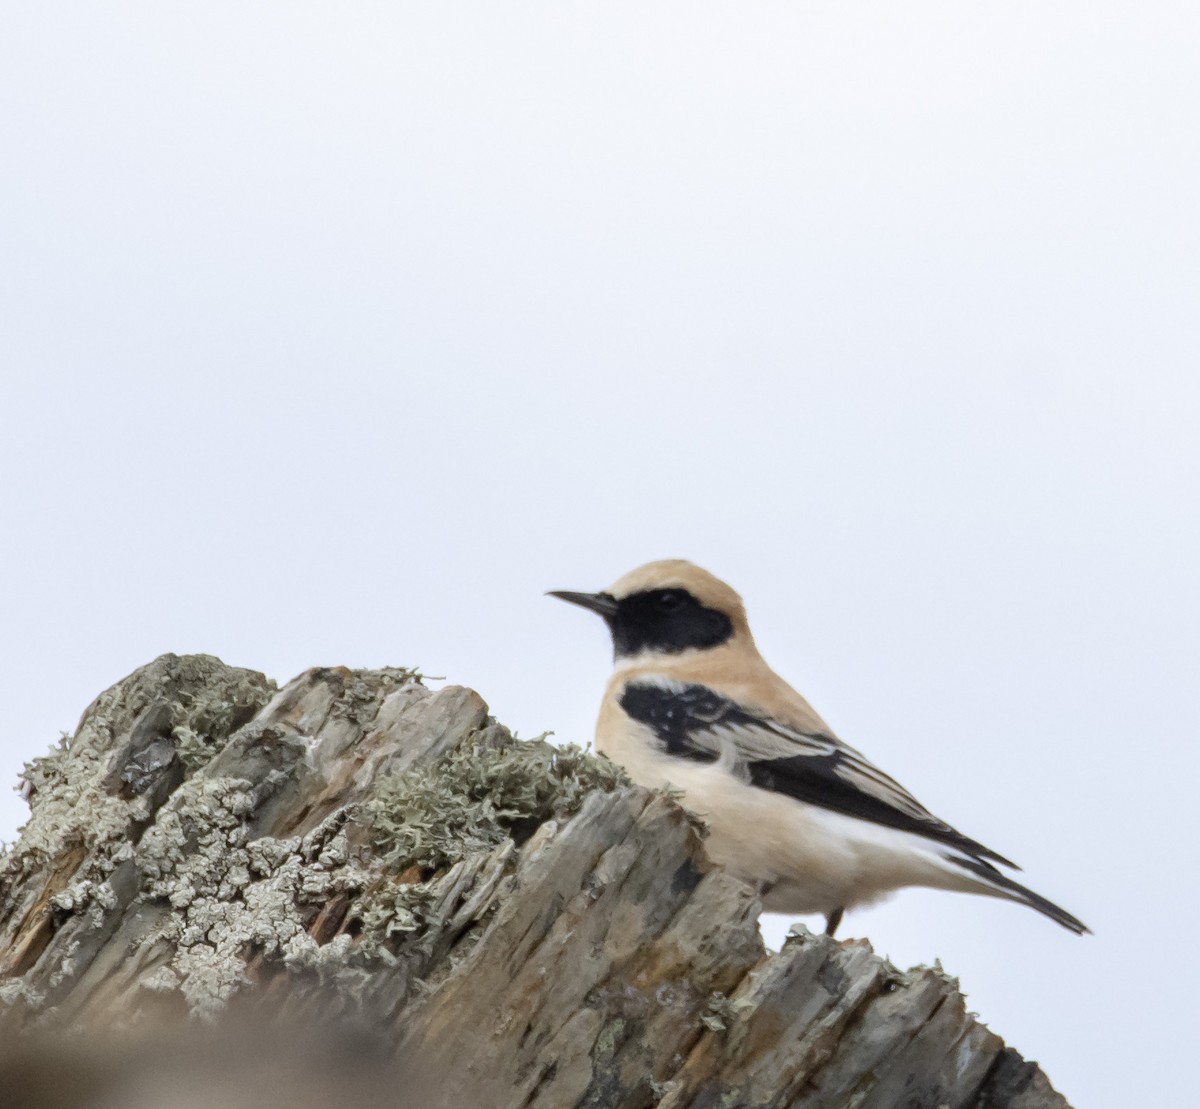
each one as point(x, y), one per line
point(338, 333)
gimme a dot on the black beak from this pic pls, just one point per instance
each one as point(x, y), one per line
point(602, 603)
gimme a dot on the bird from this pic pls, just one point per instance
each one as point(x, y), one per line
point(791, 809)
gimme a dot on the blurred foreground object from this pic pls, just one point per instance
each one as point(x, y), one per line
point(411, 907)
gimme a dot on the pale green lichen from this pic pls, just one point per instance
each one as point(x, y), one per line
point(202, 719)
point(82, 805)
point(95, 897)
point(390, 909)
point(722, 1011)
point(491, 787)
point(442, 834)
point(65, 789)
point(610, 1039)
point(233, 894)
point(15, 991)
point(358, 699)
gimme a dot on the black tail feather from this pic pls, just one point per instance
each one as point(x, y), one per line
point(1023, 894)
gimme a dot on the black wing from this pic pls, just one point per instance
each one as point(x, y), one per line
point(693, 722)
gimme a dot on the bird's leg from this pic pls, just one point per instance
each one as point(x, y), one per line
point(833, 920)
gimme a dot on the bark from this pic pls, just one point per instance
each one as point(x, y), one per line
point(515, 925)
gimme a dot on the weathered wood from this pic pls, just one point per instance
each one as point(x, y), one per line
point(522, 927)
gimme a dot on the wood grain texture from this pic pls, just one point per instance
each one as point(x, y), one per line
point(205, 844)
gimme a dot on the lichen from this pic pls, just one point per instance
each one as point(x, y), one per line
point(358, 700)
point(15, 991)
point(392, 907)
point(722, 1011)
point(65, 788)
point(233, 894)
point(85, 820)
point(609, 1040)
point(373, 884)
point(96, 897)
point(491, 787)
point(202, 719)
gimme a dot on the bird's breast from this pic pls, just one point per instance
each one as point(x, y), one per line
point(634, 746)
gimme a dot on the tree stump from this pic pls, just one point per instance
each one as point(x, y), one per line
point(508, 923)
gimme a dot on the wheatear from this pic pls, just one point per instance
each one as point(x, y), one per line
point(790, 808)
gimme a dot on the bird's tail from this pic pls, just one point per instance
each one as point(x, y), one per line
point(1002, 885)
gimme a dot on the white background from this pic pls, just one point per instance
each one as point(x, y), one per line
point(339, 333)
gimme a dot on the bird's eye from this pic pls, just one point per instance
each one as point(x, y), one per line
point(670, 599)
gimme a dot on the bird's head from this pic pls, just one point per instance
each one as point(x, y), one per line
point(667, 608)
